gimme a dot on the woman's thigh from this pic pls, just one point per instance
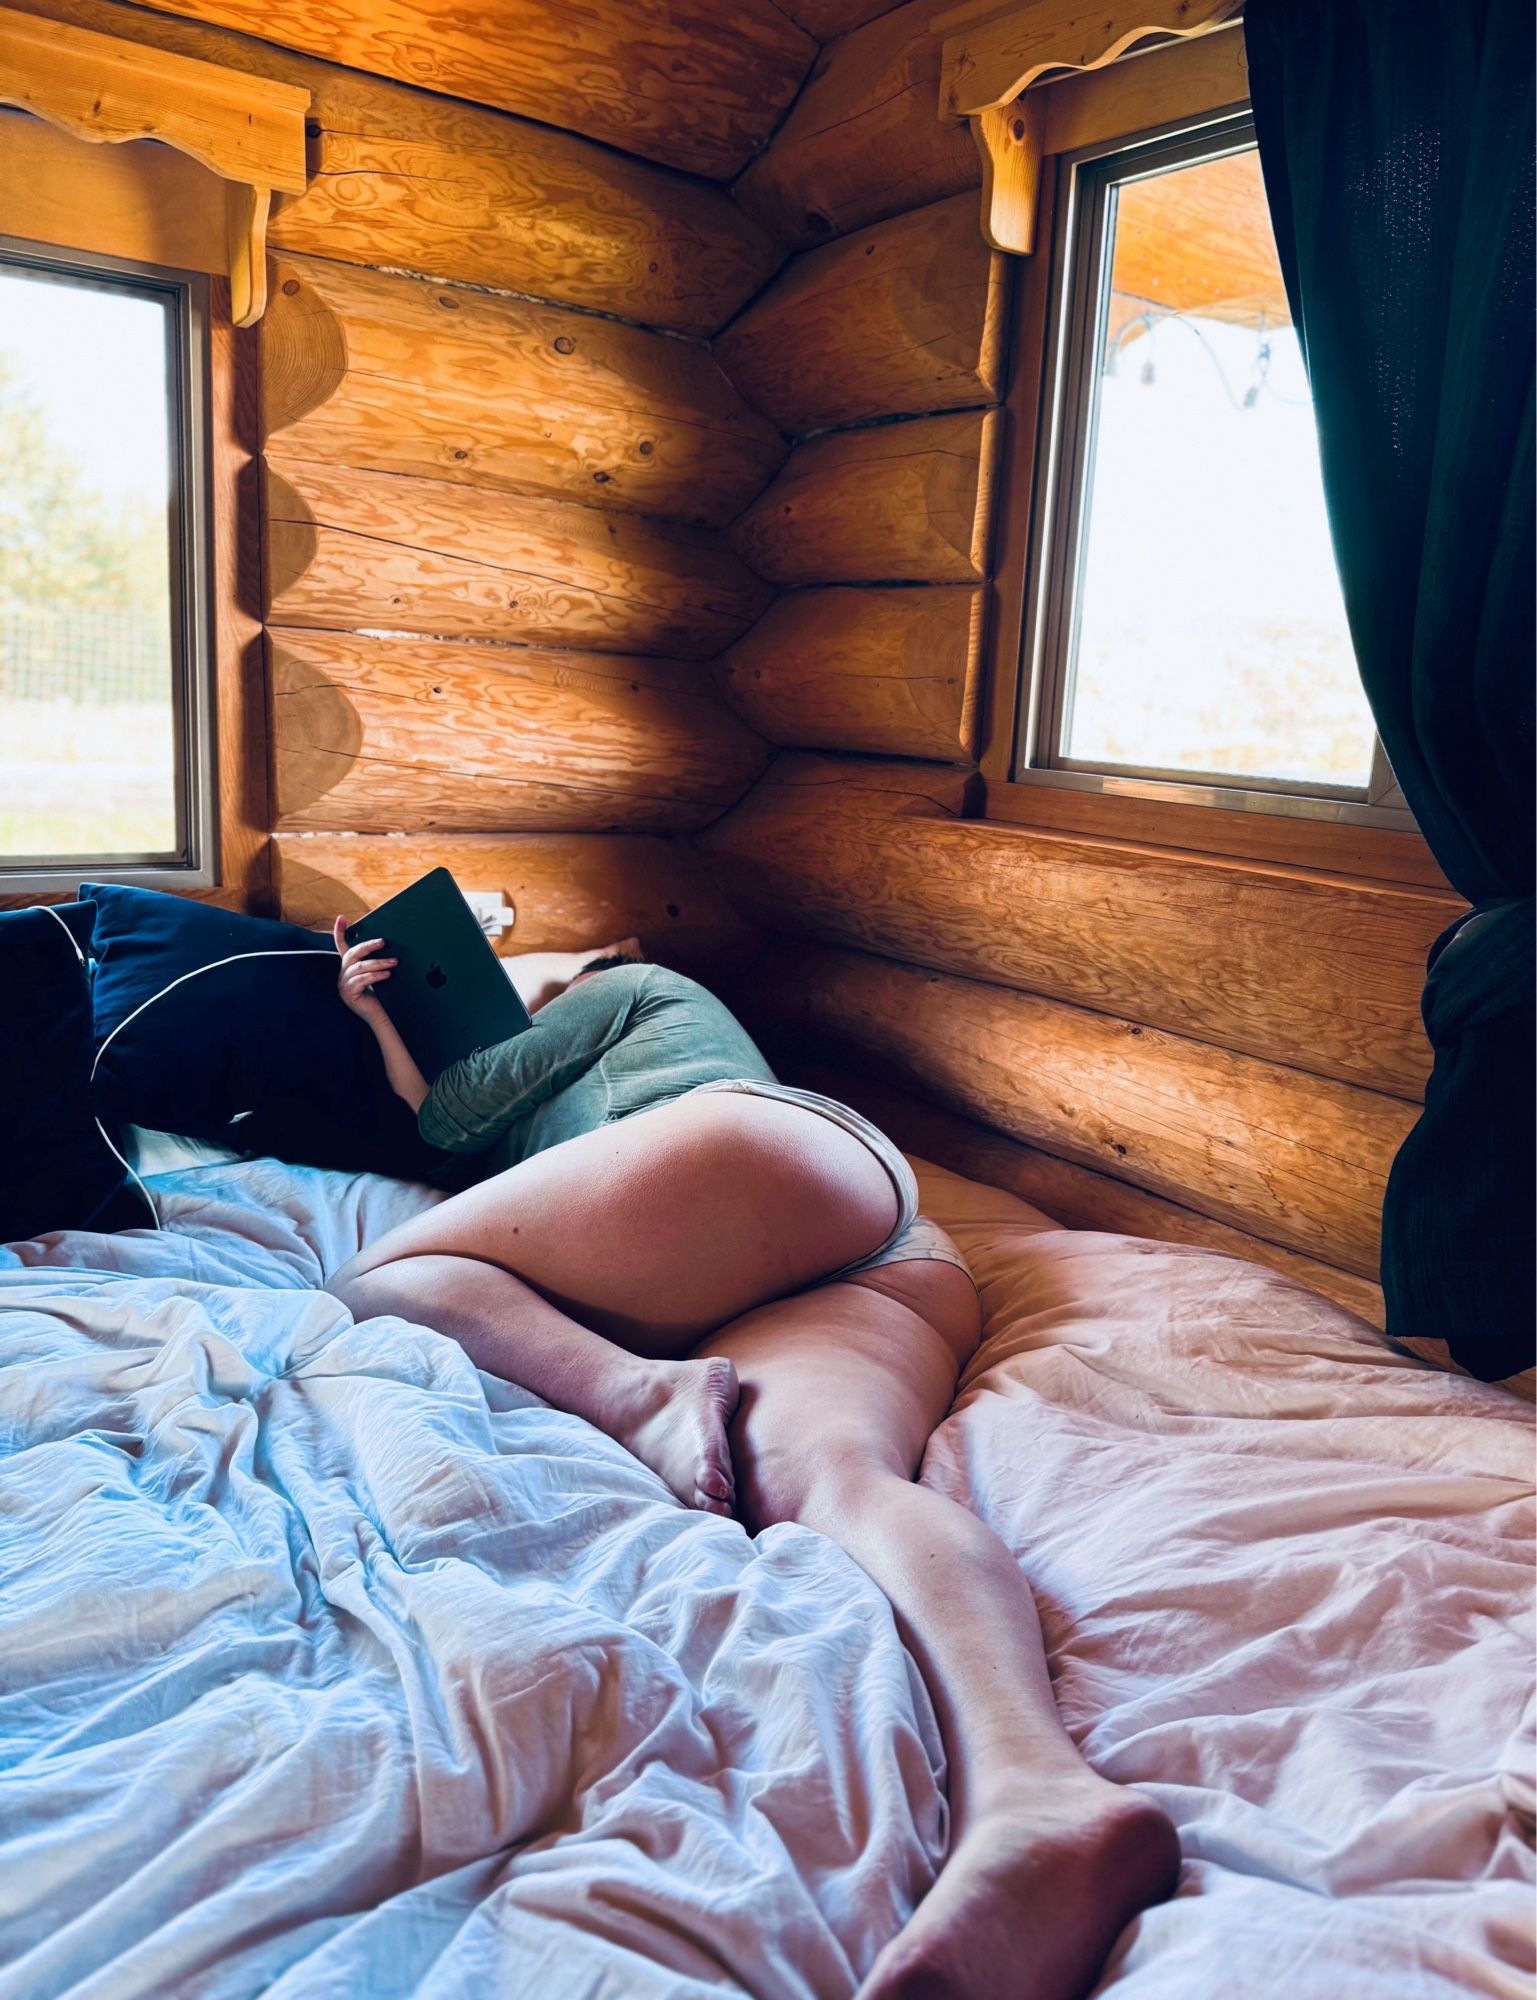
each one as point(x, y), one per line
point(661, 1227)
point(850, 1378)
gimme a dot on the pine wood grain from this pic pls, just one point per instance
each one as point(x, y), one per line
point(1334, 846)
point(893, 672)
point(993, 49)
point(1313, 971)
point(137, 200)
point(569, 890)
point(903, 319)
point(1294, 1159)
point(900, 503)
point(827, 18)
point(1143, 91)
point(349, 550)
point(105, 89)
point(1076, 1196)
point(687, 82)
point(864, 139)
point(403, 178)
point(395, 735)
point(394, 374)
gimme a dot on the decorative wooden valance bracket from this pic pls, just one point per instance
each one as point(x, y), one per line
point(995, 49)
point(246, 129)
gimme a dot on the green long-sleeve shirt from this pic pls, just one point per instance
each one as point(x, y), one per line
point(618, 1042)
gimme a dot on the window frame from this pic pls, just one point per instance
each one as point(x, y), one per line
point(194, 863)
point(1060, 490)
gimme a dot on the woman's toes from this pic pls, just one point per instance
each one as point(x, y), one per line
point(677, 1426)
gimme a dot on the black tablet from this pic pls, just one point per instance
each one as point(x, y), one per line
point(449, 995)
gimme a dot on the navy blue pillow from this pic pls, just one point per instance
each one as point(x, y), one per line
point(79, 919)
point(56, 1169)
point(264, 1035)
point(188, 1057)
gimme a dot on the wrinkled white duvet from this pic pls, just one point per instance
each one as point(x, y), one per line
point(329, 1667)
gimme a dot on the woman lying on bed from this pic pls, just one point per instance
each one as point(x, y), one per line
point(731, 1279)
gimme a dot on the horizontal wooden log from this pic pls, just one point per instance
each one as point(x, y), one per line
point(1313, 971)
point(864, 139)
point(899, 503)
point(394, 374)
point(397, 735)
point(1295, 1159)
point(1076, 1196)
point(902, 319)
point(402, 178)
point(568, 890)
point(889, 671)
point(687, 82)
point(349, 550)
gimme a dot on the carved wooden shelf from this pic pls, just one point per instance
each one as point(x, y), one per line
point(246, 129)
point(995, 49)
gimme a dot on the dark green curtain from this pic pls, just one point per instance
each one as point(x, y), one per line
point(1396, 140)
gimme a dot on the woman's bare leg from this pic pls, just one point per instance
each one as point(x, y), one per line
point(588, 1272)
point(841, 1389)
point(671, 1414)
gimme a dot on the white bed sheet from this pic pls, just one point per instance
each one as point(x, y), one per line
point(329, 1667)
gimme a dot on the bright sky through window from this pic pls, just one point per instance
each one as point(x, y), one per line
point(1210, 632)
point(87, 632)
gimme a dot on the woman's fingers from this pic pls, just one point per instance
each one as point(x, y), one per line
point(364, 948)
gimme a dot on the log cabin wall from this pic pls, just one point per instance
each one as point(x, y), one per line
point(493, 454)
point(1142, 1021)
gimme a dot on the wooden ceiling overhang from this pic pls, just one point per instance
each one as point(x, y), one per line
point(994, 50)
point(246, 129)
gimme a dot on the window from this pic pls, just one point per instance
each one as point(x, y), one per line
point(104, 692)
point(1188, 637)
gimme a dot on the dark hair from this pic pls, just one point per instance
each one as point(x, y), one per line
point(604, 964)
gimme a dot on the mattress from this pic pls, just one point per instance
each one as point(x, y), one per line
point(333, 1667)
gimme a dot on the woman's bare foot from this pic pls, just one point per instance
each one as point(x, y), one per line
point(1032, 1899)
point(673, 1417)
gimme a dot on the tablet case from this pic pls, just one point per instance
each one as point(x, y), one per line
point(449, 995)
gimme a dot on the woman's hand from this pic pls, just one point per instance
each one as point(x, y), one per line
point(361, 972)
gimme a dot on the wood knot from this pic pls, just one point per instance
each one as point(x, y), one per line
point(290, 287)
point(645, 448)
point(448, 304)
point(564, 344)
point(1018, 128)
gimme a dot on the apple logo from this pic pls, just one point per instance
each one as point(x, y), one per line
point(436, 976)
